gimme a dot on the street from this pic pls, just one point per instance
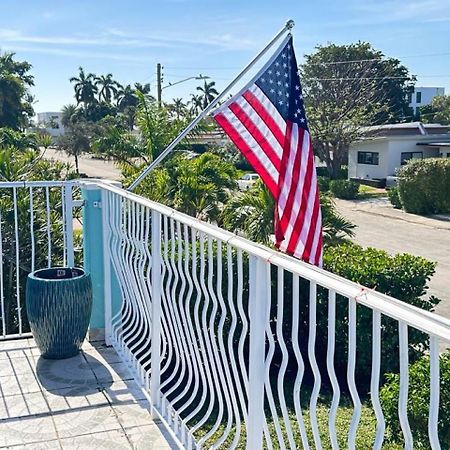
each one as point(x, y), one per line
point(381, 226)
point(92, 167)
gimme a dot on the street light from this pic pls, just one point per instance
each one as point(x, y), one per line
point(198, 77)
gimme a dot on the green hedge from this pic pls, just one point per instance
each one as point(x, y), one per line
point(345, 189)
point(418, 402)
point(424, 186)
point(394, 198)
point(402, 276)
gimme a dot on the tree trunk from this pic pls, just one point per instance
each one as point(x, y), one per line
point(76, 163)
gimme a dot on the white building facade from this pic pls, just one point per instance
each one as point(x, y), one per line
point(424, 95)
point(388, 147)
point(51, 122)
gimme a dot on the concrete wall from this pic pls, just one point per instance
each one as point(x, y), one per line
point(356, 170)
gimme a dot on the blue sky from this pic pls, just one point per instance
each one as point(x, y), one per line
point(215, 38)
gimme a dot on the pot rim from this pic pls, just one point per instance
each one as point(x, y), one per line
point(32, 275)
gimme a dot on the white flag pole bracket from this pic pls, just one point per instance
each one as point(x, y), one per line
point(287, 27)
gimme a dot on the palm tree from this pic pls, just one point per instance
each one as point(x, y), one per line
point(107, 87)
point(144, 88)
point(178, 107)
point(196, 103)
point(208, 92)
point(251, 213)
point(68, 114)
point(126, 97)
point(85, 88)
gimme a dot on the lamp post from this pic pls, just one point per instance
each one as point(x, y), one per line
point(160, 88)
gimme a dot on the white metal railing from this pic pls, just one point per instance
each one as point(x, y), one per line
point(239, 346)
point(36, 230)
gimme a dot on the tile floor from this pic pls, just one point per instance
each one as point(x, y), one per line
point(86, 402)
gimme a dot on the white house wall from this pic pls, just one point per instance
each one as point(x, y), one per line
point(356, 170)
point(397, 147)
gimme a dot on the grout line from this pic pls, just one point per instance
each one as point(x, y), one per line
point(102, 390)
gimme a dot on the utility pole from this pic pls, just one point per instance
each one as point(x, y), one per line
point(159, 82)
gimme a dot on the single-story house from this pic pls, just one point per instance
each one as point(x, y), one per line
point(386, 148)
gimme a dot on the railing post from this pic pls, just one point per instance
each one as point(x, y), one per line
point(257, 313)
point(68, 226)
point(155, 380)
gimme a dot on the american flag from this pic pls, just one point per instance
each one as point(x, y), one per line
point(267, 123)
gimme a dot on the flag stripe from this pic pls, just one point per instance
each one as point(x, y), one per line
point(248, 153)
point(257, 135)
point(263, 111)
point(252, 144)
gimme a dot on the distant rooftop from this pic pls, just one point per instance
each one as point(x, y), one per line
point(410, 128)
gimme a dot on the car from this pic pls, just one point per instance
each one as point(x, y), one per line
point(247, 181)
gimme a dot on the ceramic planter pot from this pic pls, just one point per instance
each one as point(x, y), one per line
point(59, 305)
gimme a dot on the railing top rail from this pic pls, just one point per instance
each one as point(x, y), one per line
point(430, 323)
point(23, 184)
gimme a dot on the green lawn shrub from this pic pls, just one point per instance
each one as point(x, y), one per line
point(394, 197)
point(324, 184)
point(424, 186)
point(345, 189)
point(418, 402)
point(402, 276)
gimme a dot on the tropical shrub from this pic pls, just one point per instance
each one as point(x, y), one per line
point(394, 197)
point(324, 183)
point(345, 189)
point(418, 402)
point(401, 276)
point(17, 164)
point(424, 186)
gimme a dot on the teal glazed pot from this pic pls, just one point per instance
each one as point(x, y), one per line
point(59, 305)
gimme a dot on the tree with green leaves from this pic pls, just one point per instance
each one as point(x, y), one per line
point(196, 104)
point(178, 108)
point(77, 140)
point(16, 107)
point(346, 87)
point(107, 88)
point(438, 111)
point(207, 93)
point(20, 162)
point(85, 87)
point(69, 114)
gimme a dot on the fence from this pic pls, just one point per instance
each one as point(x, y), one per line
point(36, 230)
point(238, 346)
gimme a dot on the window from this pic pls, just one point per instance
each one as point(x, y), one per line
point(406, 156)
point(368, 158)
point(418, 97)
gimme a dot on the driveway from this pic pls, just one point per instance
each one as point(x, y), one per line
point(92, 167)
point(382, 226)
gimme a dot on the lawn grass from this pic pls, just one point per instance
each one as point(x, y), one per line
point(364, 439)
point(370, 192)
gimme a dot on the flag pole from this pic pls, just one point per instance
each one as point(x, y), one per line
point(287, 27)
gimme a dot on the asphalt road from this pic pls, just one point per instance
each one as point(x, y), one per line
point(92, 167)
point(380, 226)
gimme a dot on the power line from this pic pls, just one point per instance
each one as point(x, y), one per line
point(324, 63)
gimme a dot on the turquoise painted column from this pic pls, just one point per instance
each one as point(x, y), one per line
point(93, 254)
point(107, 298)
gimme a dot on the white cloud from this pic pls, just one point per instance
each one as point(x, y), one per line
point(118, 38)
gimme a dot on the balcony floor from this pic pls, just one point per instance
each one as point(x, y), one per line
point(86, 402)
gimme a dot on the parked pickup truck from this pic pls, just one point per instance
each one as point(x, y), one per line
point(247, 181)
